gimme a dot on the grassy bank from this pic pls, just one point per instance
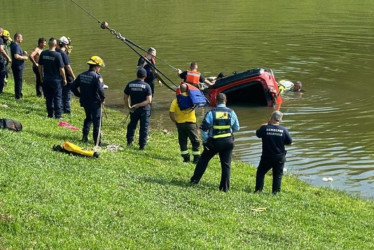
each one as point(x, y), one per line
point(142, 200)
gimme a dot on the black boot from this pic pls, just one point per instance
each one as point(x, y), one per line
point(196, 159)
point(85, 138)
point(186, 157)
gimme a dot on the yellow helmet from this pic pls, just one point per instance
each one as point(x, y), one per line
point(95, 60)
point(6, 33)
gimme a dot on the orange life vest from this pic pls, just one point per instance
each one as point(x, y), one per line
point(193, 77)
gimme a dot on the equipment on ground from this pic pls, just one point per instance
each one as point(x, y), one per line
point(70, 148)
point(10, 124)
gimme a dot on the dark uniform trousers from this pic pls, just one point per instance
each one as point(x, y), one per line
point(53, 93)
point(93, 113)
point(185, 131)
point(266, 163)
point(38, 83)
point(222, 146)
point(143, 116)
point(66, 97)
point(17, 75)
point(152, 85)
point(2, 75)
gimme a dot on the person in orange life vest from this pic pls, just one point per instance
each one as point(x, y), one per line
point(186, 125)
point(193, 76)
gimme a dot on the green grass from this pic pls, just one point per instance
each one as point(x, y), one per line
point(142, 200)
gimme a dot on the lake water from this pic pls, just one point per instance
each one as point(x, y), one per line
point(328, 45)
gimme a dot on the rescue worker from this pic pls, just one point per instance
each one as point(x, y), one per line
point(4, 58)
point(61, 48)
point(18, 64)
point(217, 131)
point(138, 97)
point(7, 42)
point(92, 97)
point(185, 121)
point(274, 138)
point(142, 63)
point(34, 58)
point(194, 77)
point(297, 87)
point(52, 77)
point(286, 85)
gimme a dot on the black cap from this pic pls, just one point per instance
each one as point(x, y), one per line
point(141, 73)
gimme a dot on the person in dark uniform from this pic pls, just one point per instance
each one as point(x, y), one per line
point(61, 48)
point(91, 94)
point(142, 63)
point(274, 138)
point(139, 94)
point(4, 59)
point(52, 76)
point(18, 64)
point(7, 42)
point(217, 131)
point(34, 58)
point(193, 76)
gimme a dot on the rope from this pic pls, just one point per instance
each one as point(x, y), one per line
point(118, 35)
point(87, 12)
point(104, 25)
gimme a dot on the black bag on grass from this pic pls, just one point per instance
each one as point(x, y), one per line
point(10, 124)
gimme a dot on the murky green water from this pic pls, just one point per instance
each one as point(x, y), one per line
point(328, 45)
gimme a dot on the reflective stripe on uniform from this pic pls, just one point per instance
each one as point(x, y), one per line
point(222, 127)
point(222, 135)
point(221, 123)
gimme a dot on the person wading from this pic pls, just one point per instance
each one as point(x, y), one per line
point(142, 63)
point(193, 76)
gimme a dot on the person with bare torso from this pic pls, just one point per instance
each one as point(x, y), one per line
point(34, 58)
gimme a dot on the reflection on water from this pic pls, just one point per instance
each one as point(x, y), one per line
point(328, 45)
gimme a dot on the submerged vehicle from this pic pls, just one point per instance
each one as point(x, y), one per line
point(255, 86)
